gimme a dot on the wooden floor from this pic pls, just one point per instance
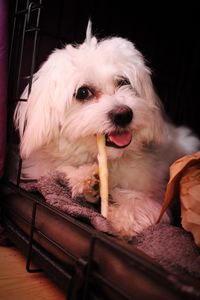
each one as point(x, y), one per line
point(17, 284)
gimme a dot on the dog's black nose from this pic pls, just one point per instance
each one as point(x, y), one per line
point(121, 115)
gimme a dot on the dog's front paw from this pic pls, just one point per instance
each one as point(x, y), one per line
point(85, 181)
point(133, 211)
point(124, 221)
point(89, 188)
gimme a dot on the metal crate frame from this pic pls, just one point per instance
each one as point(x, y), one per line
point(77, 282)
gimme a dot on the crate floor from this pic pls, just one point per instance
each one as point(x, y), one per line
point(17, 283)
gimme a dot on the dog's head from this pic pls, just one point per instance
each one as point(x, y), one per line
point(96, 87)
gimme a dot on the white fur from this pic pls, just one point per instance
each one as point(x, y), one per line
point(59, 132)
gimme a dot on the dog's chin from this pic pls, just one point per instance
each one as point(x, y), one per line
point(118, 140)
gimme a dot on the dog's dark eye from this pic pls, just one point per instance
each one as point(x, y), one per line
point(122, 81)
point(84, 93)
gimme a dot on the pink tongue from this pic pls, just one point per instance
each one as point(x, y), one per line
point(120, 139)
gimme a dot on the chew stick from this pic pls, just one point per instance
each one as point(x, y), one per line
point(103, 174)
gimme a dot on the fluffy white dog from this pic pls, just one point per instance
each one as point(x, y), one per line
point(102, 87)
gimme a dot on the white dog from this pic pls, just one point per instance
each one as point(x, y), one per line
point(102, 87)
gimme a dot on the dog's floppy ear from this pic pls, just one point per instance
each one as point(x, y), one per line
point(156, 127)
point(145, 85)
point(138, 72)
point(35, 119)
point(38, 119)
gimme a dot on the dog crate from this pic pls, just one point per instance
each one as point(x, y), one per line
point(87, 264)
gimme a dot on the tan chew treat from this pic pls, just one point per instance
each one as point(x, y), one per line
point(103, 174)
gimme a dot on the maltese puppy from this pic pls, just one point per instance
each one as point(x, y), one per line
point(102, 87)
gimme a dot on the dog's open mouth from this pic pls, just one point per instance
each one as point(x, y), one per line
point(118, 139)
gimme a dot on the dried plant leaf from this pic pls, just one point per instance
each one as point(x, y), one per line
point(176, 170)
point(190, 201)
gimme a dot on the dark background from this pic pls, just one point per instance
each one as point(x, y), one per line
point(167, 35)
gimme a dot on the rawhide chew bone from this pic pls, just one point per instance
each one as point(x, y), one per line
point(103, 174)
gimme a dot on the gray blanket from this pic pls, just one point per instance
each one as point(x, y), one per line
point(55, 190)
point(172, 247)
